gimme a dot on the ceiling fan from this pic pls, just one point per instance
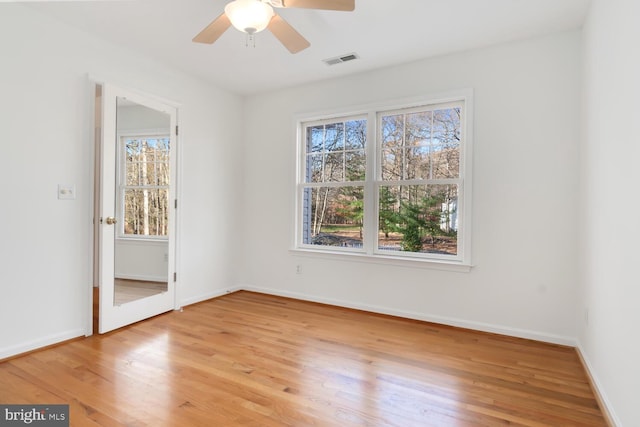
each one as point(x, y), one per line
point(253, 16)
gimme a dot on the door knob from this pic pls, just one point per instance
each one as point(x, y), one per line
point(111, 220)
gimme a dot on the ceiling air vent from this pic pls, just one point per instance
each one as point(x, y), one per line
point(341, 59)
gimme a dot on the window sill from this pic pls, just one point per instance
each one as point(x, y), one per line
point(432, 264)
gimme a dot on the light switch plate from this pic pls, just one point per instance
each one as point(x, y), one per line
point(66, 191)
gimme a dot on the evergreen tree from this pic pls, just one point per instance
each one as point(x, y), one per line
point(419, 219)
point(388, 217)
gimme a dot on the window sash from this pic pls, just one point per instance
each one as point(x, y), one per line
point(432, 213)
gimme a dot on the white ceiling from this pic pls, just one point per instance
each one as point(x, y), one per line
point(382, 33)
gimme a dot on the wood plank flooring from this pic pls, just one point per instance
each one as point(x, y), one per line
point(249, 359)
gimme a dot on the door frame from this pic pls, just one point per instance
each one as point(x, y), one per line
point(96, 93)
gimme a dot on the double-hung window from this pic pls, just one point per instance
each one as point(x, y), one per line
point(388, 183)
point(144, 181)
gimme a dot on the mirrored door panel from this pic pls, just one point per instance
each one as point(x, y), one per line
point(143, 183)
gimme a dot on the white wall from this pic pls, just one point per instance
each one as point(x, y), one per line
point(610, 176)
point(137, 259)
point(525, 193)
point(139, 118)
point(47, 139)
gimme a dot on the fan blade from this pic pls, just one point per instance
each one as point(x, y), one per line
point(288, 36)
point(344, 5)
point(214, 30)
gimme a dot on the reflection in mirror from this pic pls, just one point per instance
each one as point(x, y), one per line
point(142, 202)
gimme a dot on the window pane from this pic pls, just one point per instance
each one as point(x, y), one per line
point(315, 139)
point(159, 145)
point(392, 164)
point(332, 216)
point(446, 143)
point(355, 134)
point(146, 212)
point(334, 137)
point(132, 171)
point(149, 176)
point(392, 131)
point(406, 163)
point(355, 164)
point(418, 218)
point(446, 129)
point(132, 153)
point(148, 153)
point(418, 128)
point(162, 173)
point(132, 148)
point(445, 161)
point(334, 167)
point(417, 163)
point(314, 168)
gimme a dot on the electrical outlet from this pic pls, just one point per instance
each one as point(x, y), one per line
point(298, 269)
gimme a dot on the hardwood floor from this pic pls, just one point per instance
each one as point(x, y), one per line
point(249, 359)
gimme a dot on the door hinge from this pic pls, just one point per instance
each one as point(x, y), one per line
point(176, 130)
point(175, 276)
point(175, 204)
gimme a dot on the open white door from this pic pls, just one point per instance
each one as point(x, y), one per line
point(137, 208)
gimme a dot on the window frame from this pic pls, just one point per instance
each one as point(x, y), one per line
point(370, 251)
point(121, 185)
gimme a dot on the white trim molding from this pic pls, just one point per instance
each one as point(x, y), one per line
point(603, 402)
point(39, 343)
point(442, 320)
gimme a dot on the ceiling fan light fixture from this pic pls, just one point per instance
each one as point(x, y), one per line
point(249, 16)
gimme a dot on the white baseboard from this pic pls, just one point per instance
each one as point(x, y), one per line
point(460, 323)
point(25, 347)
point(596, 385)
point(209, 295)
